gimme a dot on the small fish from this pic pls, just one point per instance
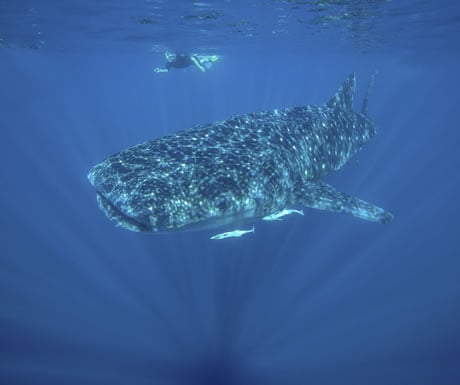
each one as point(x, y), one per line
point(234, 233)
point(277, 216)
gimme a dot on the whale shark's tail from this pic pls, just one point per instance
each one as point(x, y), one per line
point(368, 91)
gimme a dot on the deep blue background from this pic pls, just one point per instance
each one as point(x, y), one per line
point(319, 299)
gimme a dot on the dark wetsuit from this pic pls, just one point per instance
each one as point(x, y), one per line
point(181, 61)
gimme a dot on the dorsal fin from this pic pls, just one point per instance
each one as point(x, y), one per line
point(343, 99)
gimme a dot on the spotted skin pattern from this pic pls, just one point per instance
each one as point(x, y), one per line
point(239, 169)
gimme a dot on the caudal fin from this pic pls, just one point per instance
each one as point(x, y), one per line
point(343, 98)
point(368, 92)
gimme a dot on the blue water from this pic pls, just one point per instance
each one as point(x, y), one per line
point(320, 299)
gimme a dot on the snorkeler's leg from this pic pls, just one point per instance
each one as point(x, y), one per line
point(196, 61)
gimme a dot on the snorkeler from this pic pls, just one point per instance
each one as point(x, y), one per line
point(176, 60)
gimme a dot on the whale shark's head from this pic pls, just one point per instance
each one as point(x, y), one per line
point(117, 197)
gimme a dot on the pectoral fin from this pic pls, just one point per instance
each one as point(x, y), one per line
point(321, 196)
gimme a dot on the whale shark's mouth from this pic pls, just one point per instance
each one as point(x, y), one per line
point(140, 223)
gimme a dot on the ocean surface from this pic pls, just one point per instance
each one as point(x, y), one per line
point(322, 299)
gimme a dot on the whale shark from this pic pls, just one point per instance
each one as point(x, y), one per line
point(240, 169)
